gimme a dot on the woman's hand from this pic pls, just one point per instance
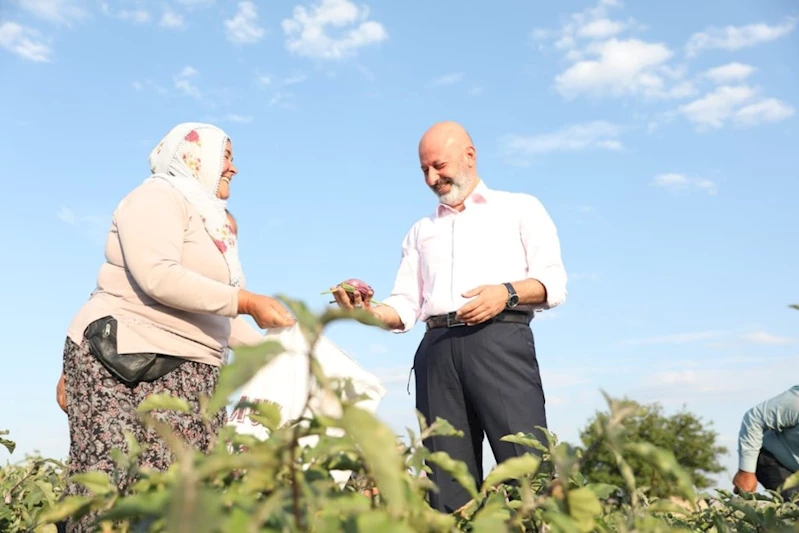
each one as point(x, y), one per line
point(61, 393)
point(265, 310)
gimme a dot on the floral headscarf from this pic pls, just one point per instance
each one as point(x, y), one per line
point(190, 158)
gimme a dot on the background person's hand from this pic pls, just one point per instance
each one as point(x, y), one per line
point(61, 393)
point(265, 310)
point(745, 481)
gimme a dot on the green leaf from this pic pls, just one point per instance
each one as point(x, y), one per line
point(138, 506)
point(247, 362)
point(163, 401)
point(791, 482)
point(584, 507)
point(602, 490)
point(9, 444)
point(97, 482)
point(492, 516)
point(308, 321)
point(68, 507)
point(378, 445)
point(513, 468)
point(457, 469)
point(526, 439)
point(382, 522)
point(665, 462)
point(359, 315)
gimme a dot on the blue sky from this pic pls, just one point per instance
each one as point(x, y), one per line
point(661, 138)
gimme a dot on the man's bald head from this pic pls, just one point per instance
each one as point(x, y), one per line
point(449, 162)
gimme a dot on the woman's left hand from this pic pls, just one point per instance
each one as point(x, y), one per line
point(61, 394)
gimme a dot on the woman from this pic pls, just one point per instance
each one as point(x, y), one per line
point(161, 316)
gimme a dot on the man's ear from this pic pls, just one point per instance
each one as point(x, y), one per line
point(471, 156)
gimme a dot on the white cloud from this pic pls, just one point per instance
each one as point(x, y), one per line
point(731, 72)
point(183, 82)
point(765, 111)
point(605, 64)
point(716, 107)
point(67, 215)
point(263, 80)
point(308, 31)
point(147, 84)
point(64, 12)
point(295, 79)
point(677, 338)
point(737, 103)
point(139, 16)
point(737, 37)
point(448, 79)
point(619, 68)
point(282, 99)
point(243, 28)
point(761, 337)
point(680, 182)
point(172, 20)
point(25, 42)
point(590, 135)
point(92, 226)
point(601, 28)
point(240, 119)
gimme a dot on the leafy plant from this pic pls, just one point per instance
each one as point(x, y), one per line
point(283, 483)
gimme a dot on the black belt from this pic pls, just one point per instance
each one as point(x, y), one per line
point(450, 320)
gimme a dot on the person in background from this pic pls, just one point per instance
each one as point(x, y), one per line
point(768, 444)
point(474, 271)
point(167, 292)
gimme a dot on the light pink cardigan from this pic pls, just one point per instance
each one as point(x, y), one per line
point(165, 282)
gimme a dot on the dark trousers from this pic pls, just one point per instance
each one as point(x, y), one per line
point(771, 473)
point(481, 379)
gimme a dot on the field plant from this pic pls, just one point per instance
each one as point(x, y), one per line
point(283, 484)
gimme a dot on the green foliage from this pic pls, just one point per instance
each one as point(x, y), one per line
point(656, 444)
point(282, 484)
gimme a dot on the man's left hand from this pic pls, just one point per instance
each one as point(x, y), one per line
point(489, 302)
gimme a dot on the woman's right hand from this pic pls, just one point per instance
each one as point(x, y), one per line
point(61, 394)
point(265, 310)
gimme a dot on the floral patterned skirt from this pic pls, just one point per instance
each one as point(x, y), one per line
point(101, 409)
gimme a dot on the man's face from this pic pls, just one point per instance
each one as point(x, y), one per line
point(447, 171)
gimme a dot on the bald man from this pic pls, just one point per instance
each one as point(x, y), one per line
point(474, 271)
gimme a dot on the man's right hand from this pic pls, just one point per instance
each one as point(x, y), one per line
point(387, 315)
point(745, 481)
point(351, 300)
point(265, 310)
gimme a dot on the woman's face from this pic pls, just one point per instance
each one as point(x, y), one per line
point(228, 171)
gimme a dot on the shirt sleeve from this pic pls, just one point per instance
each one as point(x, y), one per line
point(542, 248)
point(243, 334)
point(775, 414)
point(151, 222)
point(406, 295)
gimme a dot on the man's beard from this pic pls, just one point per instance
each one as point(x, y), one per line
point(458, 189)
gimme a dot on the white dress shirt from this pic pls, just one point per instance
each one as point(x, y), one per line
point(499, 237)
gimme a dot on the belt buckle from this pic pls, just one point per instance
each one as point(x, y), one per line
point(453, 322)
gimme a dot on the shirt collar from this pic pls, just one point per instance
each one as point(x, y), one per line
point(480, 195)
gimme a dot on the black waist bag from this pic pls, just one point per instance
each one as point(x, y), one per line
point(129, 368)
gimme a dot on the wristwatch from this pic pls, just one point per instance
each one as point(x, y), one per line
point(513, 298)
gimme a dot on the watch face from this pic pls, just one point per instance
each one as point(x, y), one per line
point(513, 300)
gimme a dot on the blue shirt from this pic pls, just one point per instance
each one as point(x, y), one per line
point(774, 426)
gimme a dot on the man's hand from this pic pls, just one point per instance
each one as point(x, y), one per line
point(354, 300)
point(351, 300)
point(489, 302)
point(61, 394)
point(745, 481)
